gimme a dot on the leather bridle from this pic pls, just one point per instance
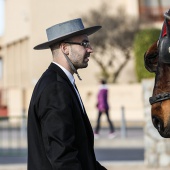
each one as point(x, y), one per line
point(159, 97)
point(164, 55)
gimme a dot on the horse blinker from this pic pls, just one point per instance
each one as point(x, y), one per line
point(164, 40)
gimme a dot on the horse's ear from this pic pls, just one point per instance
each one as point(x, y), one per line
point(151, 58)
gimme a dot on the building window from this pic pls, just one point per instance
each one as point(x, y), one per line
point(153, 9)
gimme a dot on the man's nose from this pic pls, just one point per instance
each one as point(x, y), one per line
point(90, 49)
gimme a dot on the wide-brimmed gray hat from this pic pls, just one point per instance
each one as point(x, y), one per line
point(65, 30)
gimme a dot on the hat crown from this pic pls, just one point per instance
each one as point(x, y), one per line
point(64, 28)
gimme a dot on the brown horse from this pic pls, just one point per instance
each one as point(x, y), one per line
point(157, 60)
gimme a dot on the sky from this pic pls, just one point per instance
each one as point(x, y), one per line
point(1, 16)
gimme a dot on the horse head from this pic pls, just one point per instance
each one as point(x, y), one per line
point(157, 60)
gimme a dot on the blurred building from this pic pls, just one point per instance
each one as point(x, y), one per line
point(25, 25)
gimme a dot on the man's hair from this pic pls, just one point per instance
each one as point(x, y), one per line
point(54, 49)
point(54, 46)
point(57, 45)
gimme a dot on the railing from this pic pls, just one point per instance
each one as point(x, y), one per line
point(13, 136)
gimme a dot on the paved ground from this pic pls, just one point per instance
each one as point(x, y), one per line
point(124, 152)
point(108, 165)
point(132, 138)
point(130, 166)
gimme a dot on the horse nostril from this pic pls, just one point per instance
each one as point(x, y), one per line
point(157, 123)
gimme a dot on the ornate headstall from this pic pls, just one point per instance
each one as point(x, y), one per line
point(160, 50)
point(164, 40)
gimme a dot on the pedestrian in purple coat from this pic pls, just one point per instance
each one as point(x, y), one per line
point(103, 107)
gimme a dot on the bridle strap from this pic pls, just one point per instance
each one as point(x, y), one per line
point(71, 65)
point(159, 98)
point(163, 46)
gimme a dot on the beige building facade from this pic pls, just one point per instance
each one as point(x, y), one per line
point(25, 25)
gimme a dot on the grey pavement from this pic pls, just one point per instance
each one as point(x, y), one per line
point(132, 138)
point(108, 165)
point(121, 153)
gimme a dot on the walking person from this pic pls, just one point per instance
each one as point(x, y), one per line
point(60, 136)
point(103, 108)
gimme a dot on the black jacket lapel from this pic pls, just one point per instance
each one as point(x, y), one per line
point(58, 70)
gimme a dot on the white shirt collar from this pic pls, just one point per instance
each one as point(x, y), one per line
point(69, 75)
point(71, 78)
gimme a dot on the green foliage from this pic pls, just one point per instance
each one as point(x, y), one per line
point(143, 40)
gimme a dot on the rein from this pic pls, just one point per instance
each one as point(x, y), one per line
point(159, 98)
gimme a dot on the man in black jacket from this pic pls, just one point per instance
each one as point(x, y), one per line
point(60, 136)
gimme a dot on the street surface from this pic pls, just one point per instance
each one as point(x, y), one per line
point(124, 152)
point(119, 149)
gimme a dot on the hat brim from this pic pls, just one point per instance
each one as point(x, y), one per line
point(87, 31)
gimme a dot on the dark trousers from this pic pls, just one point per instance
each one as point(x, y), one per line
point(112, 129)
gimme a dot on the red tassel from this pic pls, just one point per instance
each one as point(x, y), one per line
point(164, 32)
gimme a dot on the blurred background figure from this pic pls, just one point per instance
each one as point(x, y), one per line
point(103, 108)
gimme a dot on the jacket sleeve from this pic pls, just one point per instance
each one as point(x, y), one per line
point(58, 129)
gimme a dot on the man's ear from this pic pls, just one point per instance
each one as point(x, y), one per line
point(65, 48)
point(151, 58)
